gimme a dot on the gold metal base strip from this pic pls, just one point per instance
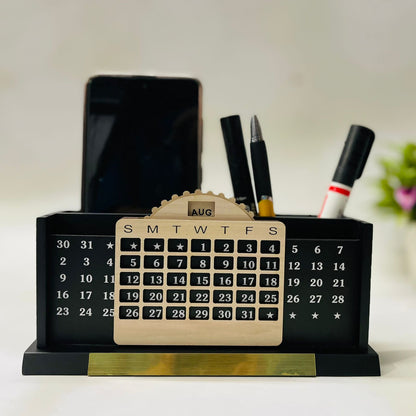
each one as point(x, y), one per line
point(201, 364)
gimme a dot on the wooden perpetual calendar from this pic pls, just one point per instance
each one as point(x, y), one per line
point(199, 271)
point(201, 287)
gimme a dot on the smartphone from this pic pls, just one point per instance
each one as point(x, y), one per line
point(142, 142)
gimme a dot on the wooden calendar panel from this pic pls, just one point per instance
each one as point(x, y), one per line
point(182, 282)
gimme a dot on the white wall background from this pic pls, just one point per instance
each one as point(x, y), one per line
point(308, 69)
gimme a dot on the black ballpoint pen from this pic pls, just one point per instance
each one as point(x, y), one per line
point(237, 161)
point(261, 172)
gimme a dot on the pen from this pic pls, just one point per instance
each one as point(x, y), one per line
point(237, 161)
point(350, 167)
point(261, 172)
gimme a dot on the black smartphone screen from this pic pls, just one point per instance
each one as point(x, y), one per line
point(142, 142)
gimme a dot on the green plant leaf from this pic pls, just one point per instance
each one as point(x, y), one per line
point(409, 154)
point(399, 171)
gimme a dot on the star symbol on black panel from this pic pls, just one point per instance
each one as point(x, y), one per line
point(180, 247)
point(156, 246)
point(337, 315)
point(315, 315)
point(133, 246)
point(292, 315)
point(110, 245)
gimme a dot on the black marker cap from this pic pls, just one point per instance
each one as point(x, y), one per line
point(354, 155)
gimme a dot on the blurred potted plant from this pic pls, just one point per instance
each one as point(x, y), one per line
point(398, 194)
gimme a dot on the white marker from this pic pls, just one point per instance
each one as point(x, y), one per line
point(350, 167)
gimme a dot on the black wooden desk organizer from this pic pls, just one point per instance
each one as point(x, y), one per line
point(326, 306)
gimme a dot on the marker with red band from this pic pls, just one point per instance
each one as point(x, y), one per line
point(350, 167)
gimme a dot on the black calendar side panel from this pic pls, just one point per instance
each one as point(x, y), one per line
point(322, 294)
point(80, 289)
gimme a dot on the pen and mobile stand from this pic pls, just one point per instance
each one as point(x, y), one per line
point(202, 288)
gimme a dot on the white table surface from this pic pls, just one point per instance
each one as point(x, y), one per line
point(392, 335)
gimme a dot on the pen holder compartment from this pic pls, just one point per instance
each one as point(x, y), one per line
point(327, 284)
point(326, 290)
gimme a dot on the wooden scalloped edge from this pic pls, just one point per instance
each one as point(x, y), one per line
point(225, 208)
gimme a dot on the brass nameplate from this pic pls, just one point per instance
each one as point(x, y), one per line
point(201, 364)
